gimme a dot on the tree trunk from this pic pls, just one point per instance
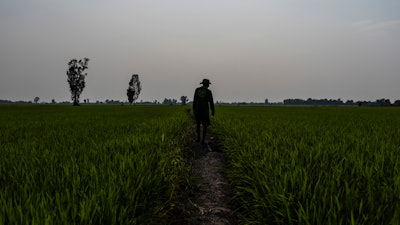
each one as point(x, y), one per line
point(76, 102)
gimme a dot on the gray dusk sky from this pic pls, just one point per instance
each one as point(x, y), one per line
point(249, 49)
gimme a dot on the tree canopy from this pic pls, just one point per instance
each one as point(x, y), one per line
point(134, 88)
point(76, 77)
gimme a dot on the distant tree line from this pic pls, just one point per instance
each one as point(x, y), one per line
point(3, 101)
point(310, 101)
point(184, 101)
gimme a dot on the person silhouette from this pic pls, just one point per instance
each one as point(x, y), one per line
point(202, 102)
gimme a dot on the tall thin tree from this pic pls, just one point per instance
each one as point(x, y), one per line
point(184, 100)
point(134, 88)
point(36, 100)
point(76, 78)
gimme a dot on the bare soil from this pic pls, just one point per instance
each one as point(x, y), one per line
point(212, 194)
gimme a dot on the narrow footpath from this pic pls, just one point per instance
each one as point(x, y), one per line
point(213, 193)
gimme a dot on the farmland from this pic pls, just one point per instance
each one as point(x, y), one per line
point(313, 165)
point(89, 165)
point(126, 165)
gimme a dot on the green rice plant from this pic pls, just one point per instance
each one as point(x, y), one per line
point(313, 165)
point(90, 164)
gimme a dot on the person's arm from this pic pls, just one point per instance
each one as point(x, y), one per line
point(195, 101)
point(211, 100)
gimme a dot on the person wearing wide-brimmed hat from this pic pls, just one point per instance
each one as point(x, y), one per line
point(202, 102)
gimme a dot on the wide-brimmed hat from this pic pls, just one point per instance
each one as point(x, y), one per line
point(205, 81)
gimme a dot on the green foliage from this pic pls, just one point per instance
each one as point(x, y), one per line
point(89, 165)
point(313, 165)
point(76, 77)
point(134, 88)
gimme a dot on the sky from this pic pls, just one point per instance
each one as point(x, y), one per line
point(251, 50)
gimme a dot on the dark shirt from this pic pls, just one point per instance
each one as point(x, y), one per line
point(202, 100)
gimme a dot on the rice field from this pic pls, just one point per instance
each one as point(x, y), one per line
point(100, 164)
point(89, 164)
point(313, 165)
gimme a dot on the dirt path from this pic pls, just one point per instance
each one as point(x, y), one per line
point(212, 196)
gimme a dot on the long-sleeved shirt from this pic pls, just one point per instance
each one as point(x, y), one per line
point(202, 101)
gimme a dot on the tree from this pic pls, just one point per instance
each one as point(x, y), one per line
point(36, 100)
point(184, 99)
point(134, 88)
point(383, 102)
point(76, 78)
point(168, 101)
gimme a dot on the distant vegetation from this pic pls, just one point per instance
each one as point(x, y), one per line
point(134, 88)
point(184, 101)
point(76, 78)
point(338, 102)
